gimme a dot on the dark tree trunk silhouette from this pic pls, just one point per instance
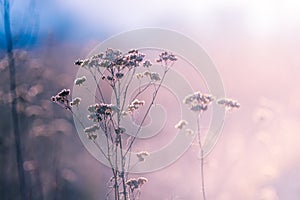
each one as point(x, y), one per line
point(14, 112)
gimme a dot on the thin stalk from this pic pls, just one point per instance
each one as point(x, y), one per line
point(118, 96)
point(147, 111)
point(202, 157)
point(98, 87)
point(14, 112)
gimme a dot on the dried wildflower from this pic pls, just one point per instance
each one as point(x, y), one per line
point(110, 78)
point(75, 101)
point(198, 102)
point(78, 62)
point(104, 109)
point(100, 111)
point(91, 129)
point(147, 64)
point(228, 103)
point(181, 124)
point(62, 99)
point(136, 183)
point(64, 93)
point(198, 97)
point(166, 56)
point(132, 183)
point(141, 155)
point(154, 76)
point(80, 81)
point(120, 130)
point(135, 104)
point(139, 75)
point(112, 54)
point(142, 181)
point(119, 75)
point(133, 58)
point(92, 108)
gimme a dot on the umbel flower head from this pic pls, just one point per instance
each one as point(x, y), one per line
point(166, 56)
point(100, 111)
point(80, 80)
point(181, 124)
point(198, 101)
point(136, 183)
point(154, 76)
point(135, 104)
point(62, 98)
point(114, 59)
point(141, 155)
point(229, 103)
point(75, 101)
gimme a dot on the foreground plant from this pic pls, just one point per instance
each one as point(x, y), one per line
point(117, 71)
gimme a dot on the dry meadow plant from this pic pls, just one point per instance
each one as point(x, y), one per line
point(199, 103)
point(118, 71)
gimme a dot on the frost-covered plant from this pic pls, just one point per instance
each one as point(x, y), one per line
point(118, 71)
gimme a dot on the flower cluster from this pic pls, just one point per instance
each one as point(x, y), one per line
point(114, 63)
point(136, 183)
point(154, 76)
point(62, 98)
point(198, 102)
point(135, 104)
point(147, 63)
point(228, 103)
point(80, 81)
point(166, 56)
point(75, 101)
point(141, 155)
point(181, 124)
point(99, 111)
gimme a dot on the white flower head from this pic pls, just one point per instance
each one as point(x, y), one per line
point(75, 101)
point(147, 63)
point(229, 103)
point(142, 181)
point(154, 76)
point(198, 101)
point(135, 104)
point(139, 75)
point(141, 155)
point(132, 183)
point(181, 124)
point(80, 81)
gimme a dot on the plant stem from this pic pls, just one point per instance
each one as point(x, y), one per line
point(14, 112)
point(202, 157)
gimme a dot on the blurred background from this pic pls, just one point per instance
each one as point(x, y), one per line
point(254, 45)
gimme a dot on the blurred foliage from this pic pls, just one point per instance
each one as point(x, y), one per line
point(44, 130)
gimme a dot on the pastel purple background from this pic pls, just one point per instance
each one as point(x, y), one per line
point(255, 47)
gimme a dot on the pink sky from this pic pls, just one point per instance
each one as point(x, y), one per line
point(255, 46)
